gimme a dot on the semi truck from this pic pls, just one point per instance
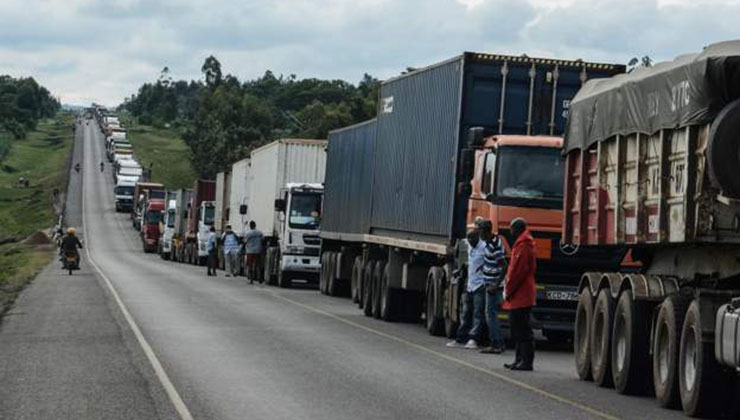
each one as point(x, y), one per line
point(201, 215)
point(143, 192)
point(174, 237)
point(284, 200)
point(473, 136)
point(652, 167)
point(150, 221)
point(124, 193)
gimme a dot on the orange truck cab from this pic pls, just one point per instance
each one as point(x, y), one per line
point(521, 176)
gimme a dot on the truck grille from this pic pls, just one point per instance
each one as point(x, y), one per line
point(311, 240)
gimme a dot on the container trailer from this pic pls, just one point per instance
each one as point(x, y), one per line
point(473, 136)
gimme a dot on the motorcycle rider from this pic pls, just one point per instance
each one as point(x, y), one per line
point(70, 243)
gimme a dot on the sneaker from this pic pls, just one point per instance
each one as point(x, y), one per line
point(471, 345)
point(455, 345)
point(228, 275)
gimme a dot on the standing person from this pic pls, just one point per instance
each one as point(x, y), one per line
point(520, 294)
point(211, 248)
point(231, 251)
point(253, 248)
point(493, 270)
point(474, 299)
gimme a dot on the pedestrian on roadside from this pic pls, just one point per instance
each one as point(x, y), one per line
point(211, 248)
point(474, 298)
point(493, 270)
point(520, 294)
point(231, 251)
point(253, 248)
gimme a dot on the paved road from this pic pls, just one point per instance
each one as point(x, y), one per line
point(222, 349)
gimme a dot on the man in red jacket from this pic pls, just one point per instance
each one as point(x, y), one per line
point(520, 294)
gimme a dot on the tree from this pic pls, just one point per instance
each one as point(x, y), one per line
point(212, 71)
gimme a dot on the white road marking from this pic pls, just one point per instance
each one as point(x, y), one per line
point(164, 379)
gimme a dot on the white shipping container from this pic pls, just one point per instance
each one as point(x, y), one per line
point(238, 196)
point(275, 165)
point(220, 197)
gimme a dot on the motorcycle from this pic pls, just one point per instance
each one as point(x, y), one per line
point(71, 261)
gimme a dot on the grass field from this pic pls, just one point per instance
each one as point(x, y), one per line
point(41, 158)
point(166, 150)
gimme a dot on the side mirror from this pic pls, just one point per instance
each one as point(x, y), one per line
point(467, 164)
point(280, 205)
point(243, 209)
point(476, 137)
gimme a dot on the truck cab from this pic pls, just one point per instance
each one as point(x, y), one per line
point(124, 193)
point(168, 226)
point(151, 217)
point(521, 176)
point(299, 216)
point(206, 219)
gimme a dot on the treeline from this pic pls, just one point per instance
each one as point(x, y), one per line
point(222, 118)
point(23, 102)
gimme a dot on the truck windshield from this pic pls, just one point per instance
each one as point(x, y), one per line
point(124, 190)
point(153, 217)
point(530, 176)
point(305, 210)
point(171, 218)
point(210, 214)
point(157, 194)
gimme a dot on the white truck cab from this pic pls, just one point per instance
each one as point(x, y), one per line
point(124, 192)
point(168, 224)
point(206, 218)
point(300, 214)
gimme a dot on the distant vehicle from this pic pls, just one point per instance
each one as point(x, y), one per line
point(127, 167)
point(151, 218)
point(142, 193)
point(201, 215)
point(175, 238)
point(124, 193)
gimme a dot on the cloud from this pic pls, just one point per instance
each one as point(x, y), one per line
point(87, 50)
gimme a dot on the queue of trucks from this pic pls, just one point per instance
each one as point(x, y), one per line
point(628, 183)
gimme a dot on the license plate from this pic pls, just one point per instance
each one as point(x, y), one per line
point(561, 295)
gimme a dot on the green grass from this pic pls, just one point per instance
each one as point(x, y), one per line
point(167, 151)
point(42, 158)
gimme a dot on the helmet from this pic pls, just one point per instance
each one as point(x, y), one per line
point(71, 231)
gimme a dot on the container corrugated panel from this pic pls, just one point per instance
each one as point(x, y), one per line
point(423, 118)
point(220, 196)
point(346, 206)
point(238, 195)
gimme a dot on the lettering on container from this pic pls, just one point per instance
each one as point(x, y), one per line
point(630, 225)
point(680, 95)
point(386, 105)
point(653, 104)
point(566, 108)
point(653, 223)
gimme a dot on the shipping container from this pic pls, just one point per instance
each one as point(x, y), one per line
point(347, 189)
point(423, 120)
point(203, 190)
point(275, 165)
point(238, 196)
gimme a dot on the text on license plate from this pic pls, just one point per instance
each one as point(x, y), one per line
point(561, 295)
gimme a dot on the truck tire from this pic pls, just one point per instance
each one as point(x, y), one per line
point(434, 320)
point(323, 273)
point(630, 345)
point(390, 299)
point(269, 278)
point(367, 288)
point(581, 334)
point(284, 279)
point(332, 288)
point(377, 285)
point(666, 342)
point(705, 388)
point(356, 280)
point(600, 338)
point(722, 151)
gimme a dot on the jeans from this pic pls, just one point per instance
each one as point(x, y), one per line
point(474, 304)
point(230, 261)
point(493, 307)
point(212, 261)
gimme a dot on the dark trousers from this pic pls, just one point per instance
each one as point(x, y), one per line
point(212, 261)
point(522, 335)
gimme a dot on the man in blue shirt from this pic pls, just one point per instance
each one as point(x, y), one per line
point(211, 248)
point(231, 251)
point(474, 298)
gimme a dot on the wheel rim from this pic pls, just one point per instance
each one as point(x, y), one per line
point(621, 343)
point(689, 362)
point(663, 353)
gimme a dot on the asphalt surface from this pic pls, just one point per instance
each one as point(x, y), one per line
point(219, 348)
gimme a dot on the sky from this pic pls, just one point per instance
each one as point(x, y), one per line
point(103, 50)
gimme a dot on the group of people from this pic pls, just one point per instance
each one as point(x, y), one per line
point(232, 245)
point(493, 285)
